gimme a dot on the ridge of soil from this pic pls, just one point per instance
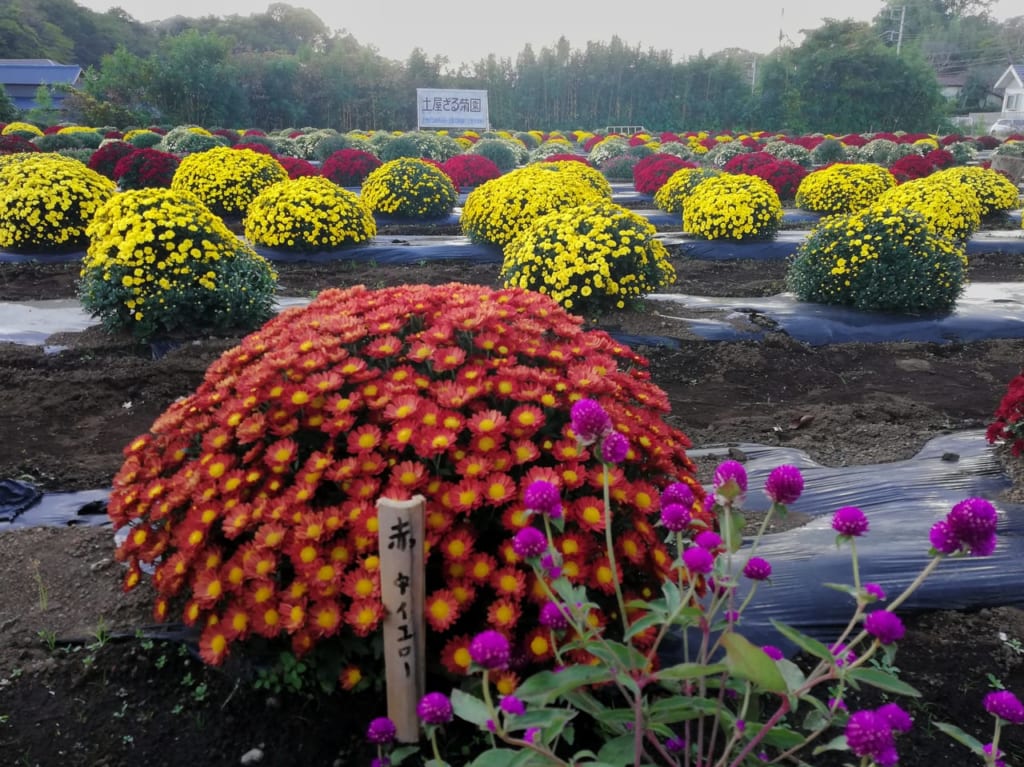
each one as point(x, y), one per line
point(79, 687)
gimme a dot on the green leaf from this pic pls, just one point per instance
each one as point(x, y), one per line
point(962, 737)
point(501, 757)
point(883, 681)
point(470, 708)
point(735, 523)
point(545, 686)
point(618, 751)
point(402, 753)
point(681, 709)
point(690, 671)
point(837, 743)
point(619, 655)
point(807, 644)
point(791, 673)
point(780, 737)
point(748, 661)
point(651, 619)
point(852, 591)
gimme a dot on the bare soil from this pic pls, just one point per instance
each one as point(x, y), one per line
point(79, 687)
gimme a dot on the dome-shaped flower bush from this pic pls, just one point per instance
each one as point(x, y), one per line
point(146, 168)
point(950, 207)
point(47, 201)
point(788, 150)
point(994, 191)
point(878, 259)
point(160, 262)
point(911, 167)
point(254, 497)
point(142, 138)
point(499, 210)
point(308, 214)
point(590, 258)
point(720, 155)
point(651, 173)
point(606, 148)
point(843, 188)
point(349, 167)
point(470, 169)
point(783, 175)
point(619, 168)
point(186, 139)
point(23, 129)
point(748, 161)
point(296, 167)
point(499, 151)
point(733, 207)
point(829, 150)
point(671, 197)
point(105, 159)
point(409, 188)
point(12, 143)
point(226, 180)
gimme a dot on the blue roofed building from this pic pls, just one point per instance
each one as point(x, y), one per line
point(21, 79)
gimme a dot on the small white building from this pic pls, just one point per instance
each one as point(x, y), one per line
point(1011, 86)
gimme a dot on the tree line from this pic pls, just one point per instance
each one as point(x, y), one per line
point(285, 68)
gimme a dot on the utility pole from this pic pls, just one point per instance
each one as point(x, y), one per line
point(899, 36)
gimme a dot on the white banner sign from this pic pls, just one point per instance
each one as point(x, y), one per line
point(440, 108)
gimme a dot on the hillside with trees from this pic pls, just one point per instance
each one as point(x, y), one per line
point(286, 68)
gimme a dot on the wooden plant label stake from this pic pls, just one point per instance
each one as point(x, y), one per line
point(401, 535)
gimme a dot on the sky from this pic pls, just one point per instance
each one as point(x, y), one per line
point(468, 32)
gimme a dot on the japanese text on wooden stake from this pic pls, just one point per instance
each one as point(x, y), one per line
point(401, 536)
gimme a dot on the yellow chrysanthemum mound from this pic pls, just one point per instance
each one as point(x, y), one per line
point(843, 188)
point(227, 180)
point(160, 262)
point(310, 213)
point(950, 207)
point(47, 200)
point(671, 196)
point(26, 130)
point(589, 258)
point(879, 259)
point(409, 188)
point(733, 207)
point(502, 208)
point(995, 192)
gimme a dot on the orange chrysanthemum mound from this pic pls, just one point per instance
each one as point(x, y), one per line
point(254, 498)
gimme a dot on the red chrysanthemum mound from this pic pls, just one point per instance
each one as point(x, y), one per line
point(254, 497)
point(297, 167)
point(1008, 420)
point(349, 167)
point(651, 173)
point(470, 169)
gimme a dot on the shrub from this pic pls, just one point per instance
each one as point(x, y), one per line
point(409, 188)
point(226, 180)
point(47, 201)
point(783, 175)
point(143, 139)
point(619, 168)
point(732, 207)
point(788, 150)
point(568, 157)
point(308, 214)
point(253, 147)
point(941, 158)
point(54, 142)
point(349, 167)
point(470, 169)
point(231, 136)
point(651, 173)
point(555, 146)
point(188, 140)
point(1008, 419)
point(963, 151)
point(911, 167)
point(878, 259)
point(828, 151)
point(22, 129)
point(678, 149)
point(498, 210)
point(748, 161)
point(949, 207)
point(720, 155)
point(296, 167)
point(271, 468)
point(671, 197)
point(105, 159)
point(12, 143)
point(400, 146)
point(498, 151)
point(995, 192)
point(160, 262)
point(590, 259)
point(604, 149)
point(843, 188)
point(146, 168)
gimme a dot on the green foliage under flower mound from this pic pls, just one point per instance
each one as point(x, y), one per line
point(160, 262)
point(879, 259)
point(47, 200)
point(671, 196)
point(843, 188)
point(308, 214)
point(994, 191)
point(227, 180)
point(254, 497)
point(589, 259)
point(828, 151)
point(409, 188)
point(950, 207)
point(499, 151)
point(185, 139)
point(500, 209)
point(733, 207)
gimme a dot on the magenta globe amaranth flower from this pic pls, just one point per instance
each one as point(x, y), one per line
point(784, 484)
point(675, 517)
point(529, 542)
point(730, 480)
point(434, 708)
point(973, 523)
point(708, 539)
point(874, 590)
point(543, 498)
point(772, 652)
point(757, 569)
point(381, 731)
point(943, 539)
point(614, 448)
point(589, 421)
point(554, 617)
point(898, 719)
point(698, 560)
point(868, 733)
point(850, 521)
point(885, 626)
point(677, 492)
point(510, 704)
point(490, 650)
point(1005, 705)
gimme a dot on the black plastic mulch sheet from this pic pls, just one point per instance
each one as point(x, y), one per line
point(15, 497)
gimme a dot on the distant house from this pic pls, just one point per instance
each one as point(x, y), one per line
point(21, 79)
point(1011, 85)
